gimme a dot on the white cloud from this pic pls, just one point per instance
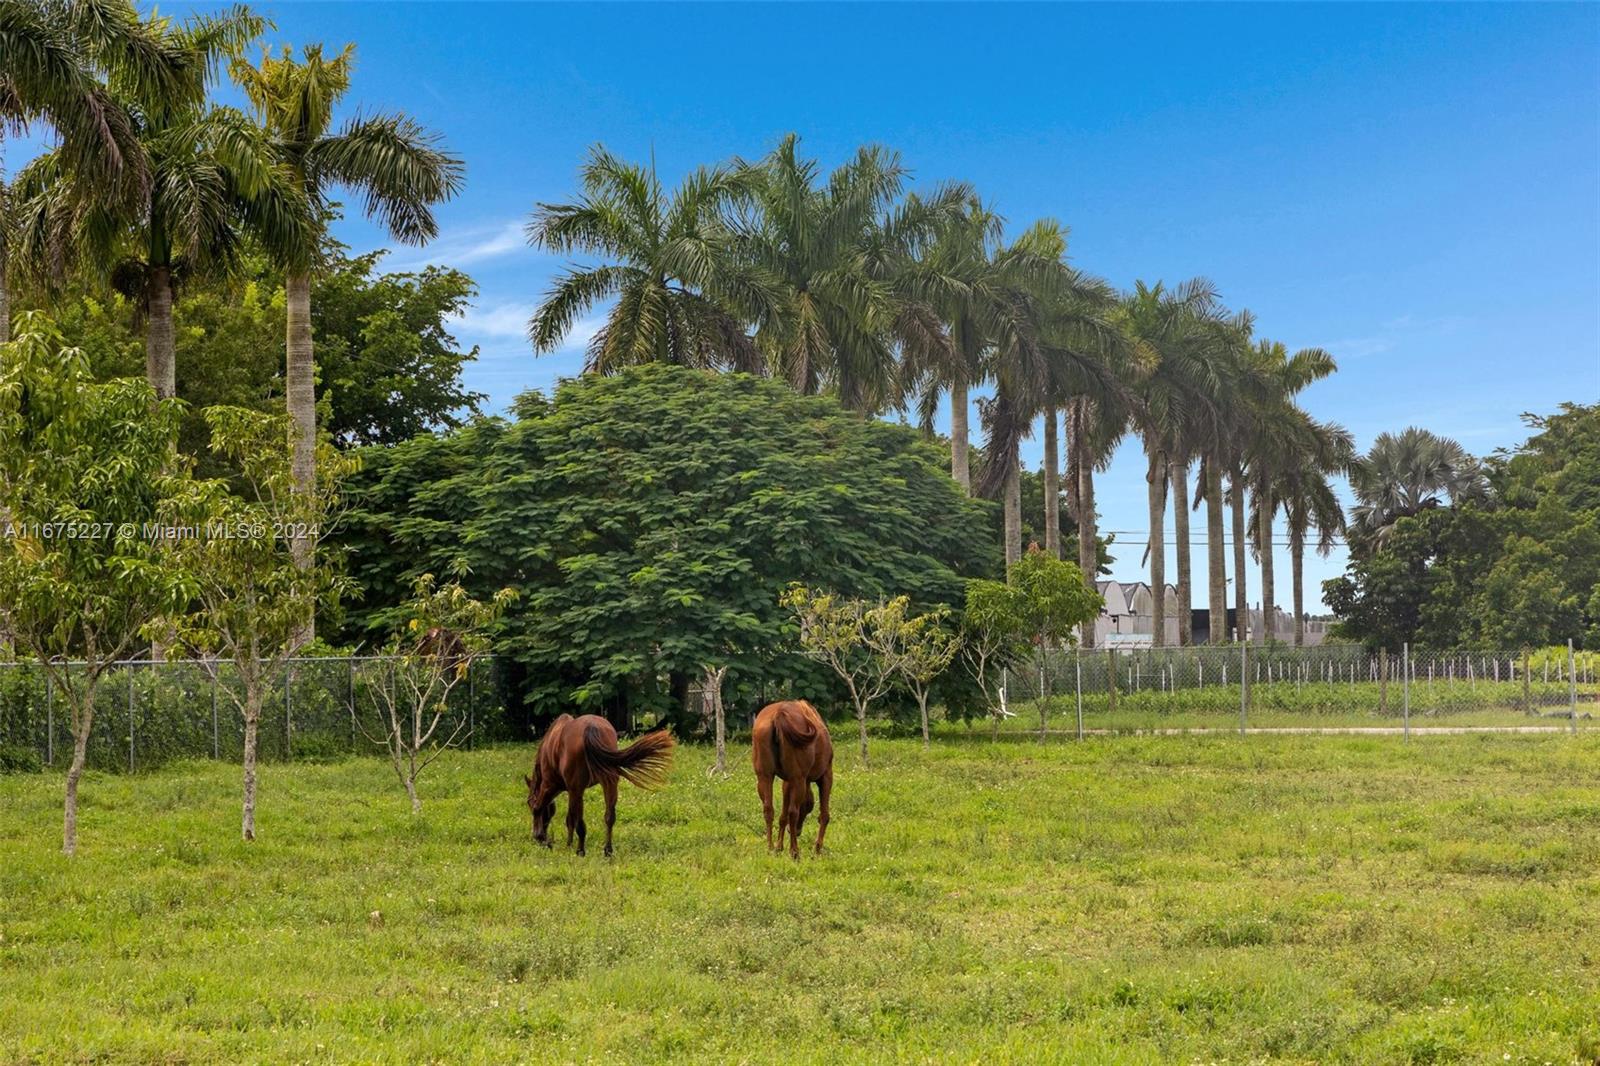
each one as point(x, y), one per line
point(510, 319)
point(462, 247)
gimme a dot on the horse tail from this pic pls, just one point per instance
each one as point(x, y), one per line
point(796, 730)
point(644, 762)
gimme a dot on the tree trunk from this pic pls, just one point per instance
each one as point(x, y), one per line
point(252, 719)
point(960, 467)
point(922, 706)
point(1241, 602)
point(411, 790)
point(1088, 549)
point(1264, 503)
point(711, 696)
point(1156, 486)
point(1297, 561)
point(301, 391)
point(861, 720)
point(1052, 485)
point(1216, 557)
point(80, 753)
point(1178, 477)
point(1013, 509)
point(160, 345)
point(5, 302)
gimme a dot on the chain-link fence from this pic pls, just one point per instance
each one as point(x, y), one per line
point(149, 712)
point(1279, 687)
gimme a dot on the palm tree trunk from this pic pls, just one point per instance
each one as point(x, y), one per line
point(1013, 510)
point(1052, 485)
point(1178, 477)
point(5, 302)
point(1297, 561)
point(1264, 503)
point(1216, 557)
point(160, 345)
point(1241, 599)
point(1088, 549)
point(300, 387)
point(960, 467)
point(1156, 485)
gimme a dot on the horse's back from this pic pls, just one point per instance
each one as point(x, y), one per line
point(790, 739)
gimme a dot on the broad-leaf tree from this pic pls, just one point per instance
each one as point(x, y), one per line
point(85, 477)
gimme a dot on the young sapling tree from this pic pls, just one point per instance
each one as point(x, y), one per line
point(993, 636)
point(858, 642)
point(85, 471)
point(251, 598)
point(928, 647)
point(443, 631)
point(1053, 600)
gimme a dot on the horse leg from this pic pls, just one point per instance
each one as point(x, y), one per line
point(577, 818)
point(802, 808)
point(824, 790)
point(610, 789)
point(571, 814)
point(764, 790)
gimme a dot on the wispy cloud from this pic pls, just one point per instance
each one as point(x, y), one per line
point(510, 319)
point(1395, 333)
point(463, 247)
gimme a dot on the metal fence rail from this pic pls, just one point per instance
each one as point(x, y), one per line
point(148, 712)
point(1250, 686)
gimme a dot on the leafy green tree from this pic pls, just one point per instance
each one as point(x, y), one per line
point(395, 165)
point(445, 631)
point(683, 294)
point(994, 636)
point(85, 474)
point(1053, 599)
point(649, 521)
point(250, 597)
point(928, 645)
point(862, 643)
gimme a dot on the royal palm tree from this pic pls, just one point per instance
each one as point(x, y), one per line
point(1311, 505)
point(682, 293)
point(396, 166)
point(1094, 427)
point(1066, 344)
point(839, 255)
point(1180, 400)
point(56, 60)
point(1282, 436)
point(210, 173)
point(1405, 474)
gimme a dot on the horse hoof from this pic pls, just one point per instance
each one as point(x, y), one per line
point(608, 853)
point(580, 852)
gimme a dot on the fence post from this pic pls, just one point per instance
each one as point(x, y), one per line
point(472, 703)
point(129, 667)
point(1244, 683)
point(1527, 683)
point(288, 718)
point(1405, 686)
point(1383, 682)
point(1078, 663)
point(1111, 680)
point(49, 720)
point(350, 696)
point(216, 734)
point(1572, 689)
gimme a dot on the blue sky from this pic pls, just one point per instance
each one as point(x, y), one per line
point(1415, 188)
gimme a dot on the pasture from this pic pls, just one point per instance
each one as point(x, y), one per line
point(1127, 900)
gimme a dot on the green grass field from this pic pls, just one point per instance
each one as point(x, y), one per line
point(1195, 899)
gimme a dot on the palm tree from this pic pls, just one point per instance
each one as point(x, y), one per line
point(397, 167)
point(1310, 504)
point(209, 173)
point(1180, 400)
point(1221, 455)
point(839, 256)
point(1065, 344)
point(55, 61)
point(682, 294)
point(1406, 474)
point(1282, 436)
point(1094, 427)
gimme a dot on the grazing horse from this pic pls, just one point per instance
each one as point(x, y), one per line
point(791, 742)
point(579, 752)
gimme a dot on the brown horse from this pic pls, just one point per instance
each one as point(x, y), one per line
point(791, 742)
point(579, 752)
